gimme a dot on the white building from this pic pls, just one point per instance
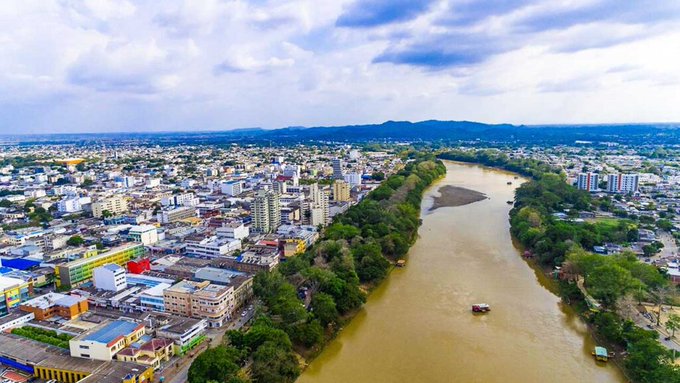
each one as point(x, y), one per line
point(266, 211)
point(145, 234)
point(623, 183)
point(317, 210)
point(232, 188)
point(234, 230)
point(354, 179)
point(186, 199)
point(588, 182)
point(70, 205)
point(176, 214)
point(213, 246)
point(110, 277)
point(188, 183)
point(153, 182)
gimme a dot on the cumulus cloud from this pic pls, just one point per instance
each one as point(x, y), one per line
point(91, 65)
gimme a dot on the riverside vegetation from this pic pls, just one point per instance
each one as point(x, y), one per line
point(562, 243)
point(354, 254)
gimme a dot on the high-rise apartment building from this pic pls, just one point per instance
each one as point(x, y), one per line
point(623, 183)
point(588, 182)
point(341, 191)
point(317, 208)
point(266, 211)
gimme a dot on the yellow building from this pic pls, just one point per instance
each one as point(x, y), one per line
point(341, 191)
point(106, 340)
point(293, 246)
point(14, 291)
point(150, 354)
point(51, 363)
point(115, 205)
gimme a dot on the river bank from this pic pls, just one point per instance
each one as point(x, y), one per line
point(417, 327)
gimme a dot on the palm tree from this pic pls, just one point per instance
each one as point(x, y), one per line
point(673, 323)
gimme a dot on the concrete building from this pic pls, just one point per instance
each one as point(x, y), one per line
point(354, 179)
point(266, 211)
point(241, 282)
point(341, 191)
point(232, 188)
point(54, 304)
point(145, 234)
point(72, 204)
point(152, 299)
point(171, 215)
point(588, 182)
point(233, 230)
point(623, 183)
point(178, 297)
point(186, 333)
point(74, 273)
point(116, 205)
point(212, 302)
point(104, 341)
point(110, 277)
point(337, 168)
point(151, 353)
point(186, 199)
point(213, 246)
point(317, 210)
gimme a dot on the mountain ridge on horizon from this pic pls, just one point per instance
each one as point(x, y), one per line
point(428, 130)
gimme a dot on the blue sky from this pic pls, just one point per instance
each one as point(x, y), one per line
point(123, 65)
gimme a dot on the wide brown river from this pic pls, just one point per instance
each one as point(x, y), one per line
point(417, 326)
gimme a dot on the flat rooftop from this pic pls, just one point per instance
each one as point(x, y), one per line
point(112, 330)
point(25, 350)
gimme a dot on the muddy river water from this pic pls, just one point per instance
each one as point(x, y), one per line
point(417, 326)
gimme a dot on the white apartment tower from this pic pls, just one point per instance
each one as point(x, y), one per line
point(266, 211)
point(318, 208)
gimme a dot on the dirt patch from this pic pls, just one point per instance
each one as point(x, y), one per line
point(456, 196)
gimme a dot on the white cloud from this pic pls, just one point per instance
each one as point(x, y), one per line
point(218, 64)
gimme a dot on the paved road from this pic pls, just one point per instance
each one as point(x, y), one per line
point(670, 248)
point(645, 323)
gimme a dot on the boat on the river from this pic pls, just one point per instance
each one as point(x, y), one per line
point(601, 354)
point(481, 308)
point(509, 202)
point(509, 182)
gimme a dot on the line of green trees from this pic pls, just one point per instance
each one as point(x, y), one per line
point(308, 297)
point(44, 336)
point(607, 278)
